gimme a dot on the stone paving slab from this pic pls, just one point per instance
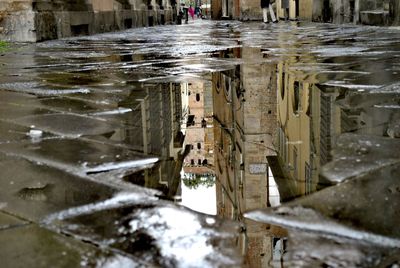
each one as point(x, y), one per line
point(10, 132)
point(73, 104)
point(32, 191)
point(14, 105)
point(158, 233)
point(77, 125)
point(7, 221)
point(77, 156)
point(33, 246)
point(358, 155)
point(353, 223)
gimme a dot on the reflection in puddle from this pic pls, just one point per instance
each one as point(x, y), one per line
point(260, 143)
point(291, 124)
point(198, 176)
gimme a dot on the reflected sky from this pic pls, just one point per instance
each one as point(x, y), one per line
point(201, 199)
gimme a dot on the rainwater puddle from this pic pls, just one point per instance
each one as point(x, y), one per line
point(154, 141)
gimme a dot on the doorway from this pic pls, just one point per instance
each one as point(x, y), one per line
point(326, 12)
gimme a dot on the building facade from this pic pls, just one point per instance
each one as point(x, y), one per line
point(38, 20)
point(244, 131)
point(371, 12)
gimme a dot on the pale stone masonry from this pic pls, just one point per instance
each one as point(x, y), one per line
point(198, 135)
point(372, 12)
point(32, 21)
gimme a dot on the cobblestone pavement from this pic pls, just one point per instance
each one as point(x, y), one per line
point(71, 131)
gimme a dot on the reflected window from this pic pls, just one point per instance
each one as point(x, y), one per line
point(192, 162)
point(197, 97)
point(205, 162)
point(199, 162)
point(203, 123)
point(227, 84)
point(309, 101)
point(282, 88)
point(296, 97)
point(190, 121)
point(199, 145)
point(278, 249)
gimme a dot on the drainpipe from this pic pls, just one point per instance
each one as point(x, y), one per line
point(356, 11)
point(144, 124)
point(231, 132)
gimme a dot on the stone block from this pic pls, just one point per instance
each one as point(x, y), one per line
point(104, 22)
point(45, 26)
point(374, 17)
point(19, 27)
point(63, 24)
point(81, 17)
point(33, 246)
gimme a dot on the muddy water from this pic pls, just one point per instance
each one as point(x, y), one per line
point(263, 114)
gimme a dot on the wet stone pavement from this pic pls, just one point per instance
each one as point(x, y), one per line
point(86, 122)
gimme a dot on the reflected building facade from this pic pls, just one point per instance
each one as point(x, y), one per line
point(314, 110)
point(154, 129)
point(244, 130)
point(308, 122)
point(274, 150)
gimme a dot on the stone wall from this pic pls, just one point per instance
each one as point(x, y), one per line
point(33, 21)
point(370, 12)
point(394, 12)
point(245, 112)
point(250, 10)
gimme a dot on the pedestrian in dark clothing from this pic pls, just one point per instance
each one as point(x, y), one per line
point(265, 5)
point(285, 6)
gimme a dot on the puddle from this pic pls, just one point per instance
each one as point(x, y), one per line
point(291, 124)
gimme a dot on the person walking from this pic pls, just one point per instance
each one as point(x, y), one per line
point(265, 5)
point(285, 6)
point(191, 12)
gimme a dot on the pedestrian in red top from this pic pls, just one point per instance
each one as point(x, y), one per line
point(191, 12)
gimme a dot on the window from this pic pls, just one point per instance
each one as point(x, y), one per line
point(282, 88)
point(197, 97)
point(278, 249)
point(308, 178)
point(199, 145)
point(203, 123)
